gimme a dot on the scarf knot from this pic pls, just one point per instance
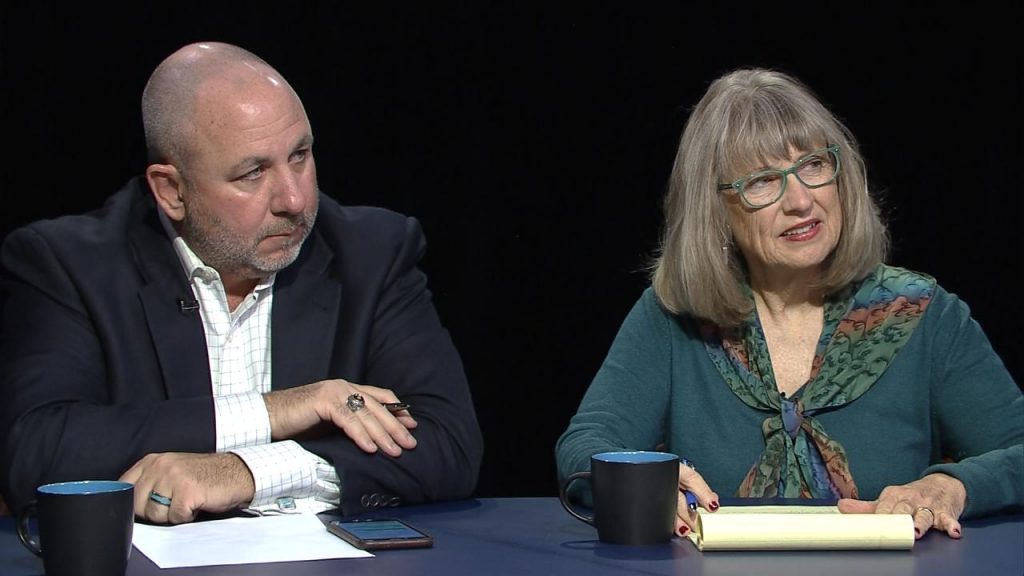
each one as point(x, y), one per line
point(865, 326)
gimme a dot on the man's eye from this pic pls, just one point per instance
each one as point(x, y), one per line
point(300, 155)
point(253, 174)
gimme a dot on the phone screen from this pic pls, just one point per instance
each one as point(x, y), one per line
point(379, 533)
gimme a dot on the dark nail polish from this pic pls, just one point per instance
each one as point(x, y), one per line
point(713, 506)
point(684, 530)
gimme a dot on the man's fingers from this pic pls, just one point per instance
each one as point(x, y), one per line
point(348, 420)
point(179, 512)
point(141, 501)
point(155, 504)
point(383, 430)
point(393, 430)
point(372, 427)
point(378, 435)
point(172, 487)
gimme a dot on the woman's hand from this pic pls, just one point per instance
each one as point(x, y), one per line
point(935, 501)
point(691, 481)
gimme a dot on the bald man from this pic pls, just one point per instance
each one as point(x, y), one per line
point(223, 335)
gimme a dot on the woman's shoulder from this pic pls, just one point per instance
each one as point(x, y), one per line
point(918, 280)
point(941, 305)
point(651, 306)
point(649, 310)
point(899, 278)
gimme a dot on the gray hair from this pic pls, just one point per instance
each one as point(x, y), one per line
point(746, 118)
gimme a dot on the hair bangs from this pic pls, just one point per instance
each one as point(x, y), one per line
point(765, 129)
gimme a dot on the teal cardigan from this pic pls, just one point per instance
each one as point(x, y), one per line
point(945, 404)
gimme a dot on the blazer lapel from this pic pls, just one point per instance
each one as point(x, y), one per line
point(177, 332)
point(305, 317)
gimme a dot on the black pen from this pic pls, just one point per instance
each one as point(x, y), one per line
point(396, 406)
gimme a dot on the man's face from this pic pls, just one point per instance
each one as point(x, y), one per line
point(249, 186)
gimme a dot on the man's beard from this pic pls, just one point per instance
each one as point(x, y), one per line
point(236, 255)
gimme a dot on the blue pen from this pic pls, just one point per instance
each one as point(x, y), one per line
point(691, 500)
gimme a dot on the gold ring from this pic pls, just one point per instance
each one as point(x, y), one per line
point(926, 509)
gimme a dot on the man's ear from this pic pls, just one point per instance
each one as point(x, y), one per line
point(166, 183)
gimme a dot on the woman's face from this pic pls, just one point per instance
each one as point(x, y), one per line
point(791, 237)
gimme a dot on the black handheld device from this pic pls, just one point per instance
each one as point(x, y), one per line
point(379, 533)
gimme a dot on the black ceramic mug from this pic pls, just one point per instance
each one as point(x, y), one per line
point(635, 496)
point(85, 528)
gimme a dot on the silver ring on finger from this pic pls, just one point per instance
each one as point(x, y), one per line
point(355, 402)
point(925, 509)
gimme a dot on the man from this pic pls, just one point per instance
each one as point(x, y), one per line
point(221, 334)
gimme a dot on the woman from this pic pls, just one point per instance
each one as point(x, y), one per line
point(777, 352)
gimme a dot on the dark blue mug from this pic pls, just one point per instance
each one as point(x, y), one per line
point(85, 528)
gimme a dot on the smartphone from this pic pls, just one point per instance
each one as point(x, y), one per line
point(379, 534)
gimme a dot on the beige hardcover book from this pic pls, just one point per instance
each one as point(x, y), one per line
point(800, 528)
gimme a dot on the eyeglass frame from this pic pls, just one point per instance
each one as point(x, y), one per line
point(784, 174)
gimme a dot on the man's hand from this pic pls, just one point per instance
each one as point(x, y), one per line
point(935, 501)
point(296, 410)
point(192, 482)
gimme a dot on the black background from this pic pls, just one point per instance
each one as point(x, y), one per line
point(534, 141)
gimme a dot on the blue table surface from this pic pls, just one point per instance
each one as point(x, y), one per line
point(498, 536)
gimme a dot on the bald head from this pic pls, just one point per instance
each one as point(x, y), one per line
point(186, 81)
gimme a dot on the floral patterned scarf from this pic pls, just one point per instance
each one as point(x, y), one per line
point(866, 325)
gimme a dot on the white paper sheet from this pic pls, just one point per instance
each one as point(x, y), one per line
point(284, 538)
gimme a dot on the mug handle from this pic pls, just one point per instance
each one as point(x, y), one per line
point(24, 534)
point(563, 496)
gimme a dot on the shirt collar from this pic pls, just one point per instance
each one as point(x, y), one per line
point(193, 265)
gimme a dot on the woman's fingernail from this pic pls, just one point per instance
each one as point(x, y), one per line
point(684, 530)
point(917, 532)
point(713, 506)
point(956, 532)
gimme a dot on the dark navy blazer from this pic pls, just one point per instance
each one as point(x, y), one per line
point(99, 364)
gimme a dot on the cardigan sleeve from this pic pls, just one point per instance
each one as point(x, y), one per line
point(978, 410)
point(625, 406)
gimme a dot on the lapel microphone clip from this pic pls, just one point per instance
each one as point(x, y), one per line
point(188, 306)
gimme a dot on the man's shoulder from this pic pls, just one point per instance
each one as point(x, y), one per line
point(102, 225)
point(336, 214)
point(364, 238)
point(367, 224)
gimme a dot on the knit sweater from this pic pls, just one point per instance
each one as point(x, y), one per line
point(946, 404)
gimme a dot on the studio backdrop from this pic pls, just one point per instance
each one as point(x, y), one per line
point(534, 142)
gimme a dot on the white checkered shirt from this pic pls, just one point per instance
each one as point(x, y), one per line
point(287, 477)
